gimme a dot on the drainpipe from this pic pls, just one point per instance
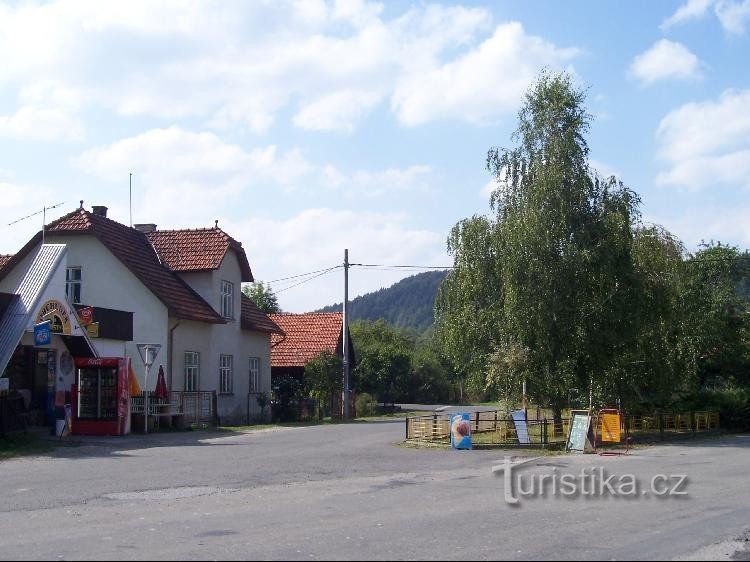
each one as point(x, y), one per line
point(170, 358)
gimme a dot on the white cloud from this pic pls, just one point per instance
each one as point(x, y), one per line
point(692, 9)
point(733, 15)
point(174, 165)
point(480, 85)
point(339, 111)
point(38, 123)
point(664, 60)
point(706, 223)
point(240, 65)
point(707, 144)
point(315, 239)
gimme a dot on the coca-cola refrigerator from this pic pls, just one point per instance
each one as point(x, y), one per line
point(101, 396)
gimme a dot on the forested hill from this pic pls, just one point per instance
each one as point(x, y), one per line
point(407, 304)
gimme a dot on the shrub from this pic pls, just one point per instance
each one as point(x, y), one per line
point(733, 405)
point(364, 405)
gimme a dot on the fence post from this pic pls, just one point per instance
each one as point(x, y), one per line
point(545, 437)
point(476, 422)
point(693, 427)
point(495, 421)
point(660, 417)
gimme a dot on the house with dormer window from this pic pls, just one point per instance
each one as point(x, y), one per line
point(180, 289)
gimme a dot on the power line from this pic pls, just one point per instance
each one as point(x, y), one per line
point(376, 265)
point(324, 272)
point(302, 274)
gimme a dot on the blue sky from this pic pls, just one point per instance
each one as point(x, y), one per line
point(307, 126)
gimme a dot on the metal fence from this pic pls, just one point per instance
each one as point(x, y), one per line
point(193, 408)
point(495, 427)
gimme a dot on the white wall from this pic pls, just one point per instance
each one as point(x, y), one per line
point(106, 282)
point(211, 341)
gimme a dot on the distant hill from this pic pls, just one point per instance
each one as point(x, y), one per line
point(409, 303)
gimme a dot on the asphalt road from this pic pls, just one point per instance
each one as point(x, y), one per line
point(346, 492)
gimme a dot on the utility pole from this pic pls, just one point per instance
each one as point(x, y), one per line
point(345, 337)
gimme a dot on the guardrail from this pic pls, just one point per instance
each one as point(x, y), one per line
point(495, 427)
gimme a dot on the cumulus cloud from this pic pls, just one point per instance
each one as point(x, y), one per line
point(176, 165)
point(39, 123)
point(240, 65)
point(733, 15)
point(479, 85)
point(665, 60)
point(383, 238)
point(706, 144)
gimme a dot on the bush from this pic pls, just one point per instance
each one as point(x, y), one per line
point(733, 405)
point(364, 405)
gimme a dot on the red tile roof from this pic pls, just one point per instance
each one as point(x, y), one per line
point(306, 335)
point(254, 319)
point(4, 260)
point(198, 250)
point(134, 250)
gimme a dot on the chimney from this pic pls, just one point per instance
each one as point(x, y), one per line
point(100, 211)
point(145, 228)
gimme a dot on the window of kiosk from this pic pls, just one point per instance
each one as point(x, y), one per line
point(97, 393)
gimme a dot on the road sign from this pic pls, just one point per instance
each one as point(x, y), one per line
point(148, 352)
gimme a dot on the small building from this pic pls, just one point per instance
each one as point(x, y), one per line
point(304, 337)
point(180, 289)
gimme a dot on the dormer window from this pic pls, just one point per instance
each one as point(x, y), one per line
point(227, 300)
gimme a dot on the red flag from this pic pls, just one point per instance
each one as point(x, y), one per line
point(161, 392)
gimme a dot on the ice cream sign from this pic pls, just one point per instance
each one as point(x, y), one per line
point(58, 316)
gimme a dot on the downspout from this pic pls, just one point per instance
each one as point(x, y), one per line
point(170, 359)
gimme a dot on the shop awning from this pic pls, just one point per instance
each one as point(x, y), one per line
point(78, 346)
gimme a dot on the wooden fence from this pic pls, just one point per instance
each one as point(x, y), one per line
point(495, 427)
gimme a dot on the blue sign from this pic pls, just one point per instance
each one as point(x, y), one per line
point(43, 333)
point(522, 428)
point(461, 431)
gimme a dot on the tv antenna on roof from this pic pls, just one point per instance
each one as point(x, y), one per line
point(43, 212)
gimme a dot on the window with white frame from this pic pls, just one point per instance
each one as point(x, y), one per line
point(227, 300)
point(226, 384)
point(192, 371)
point(255, 374)
point(73, 284)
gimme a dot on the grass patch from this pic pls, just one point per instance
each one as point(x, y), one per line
point(23, 445)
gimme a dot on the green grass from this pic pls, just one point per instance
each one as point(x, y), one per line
point(23, 444)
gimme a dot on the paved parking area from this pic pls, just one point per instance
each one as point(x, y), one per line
point(347, 492)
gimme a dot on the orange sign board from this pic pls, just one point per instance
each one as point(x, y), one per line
point(610, 428)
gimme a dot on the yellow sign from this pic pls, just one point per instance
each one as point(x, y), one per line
point(93, 330)
point(57, 313)
point(610, 428)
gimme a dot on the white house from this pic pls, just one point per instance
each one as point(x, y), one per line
point(183, 289)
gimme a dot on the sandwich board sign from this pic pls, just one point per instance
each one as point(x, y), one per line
point(580, 437)
point(522, 428)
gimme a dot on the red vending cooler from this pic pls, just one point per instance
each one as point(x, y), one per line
point(101, 396)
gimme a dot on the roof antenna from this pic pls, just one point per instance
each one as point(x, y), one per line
point(43, 212)
point(130, 183)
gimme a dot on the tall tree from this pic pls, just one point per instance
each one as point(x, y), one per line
point(560, 271)
point(263, 296)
